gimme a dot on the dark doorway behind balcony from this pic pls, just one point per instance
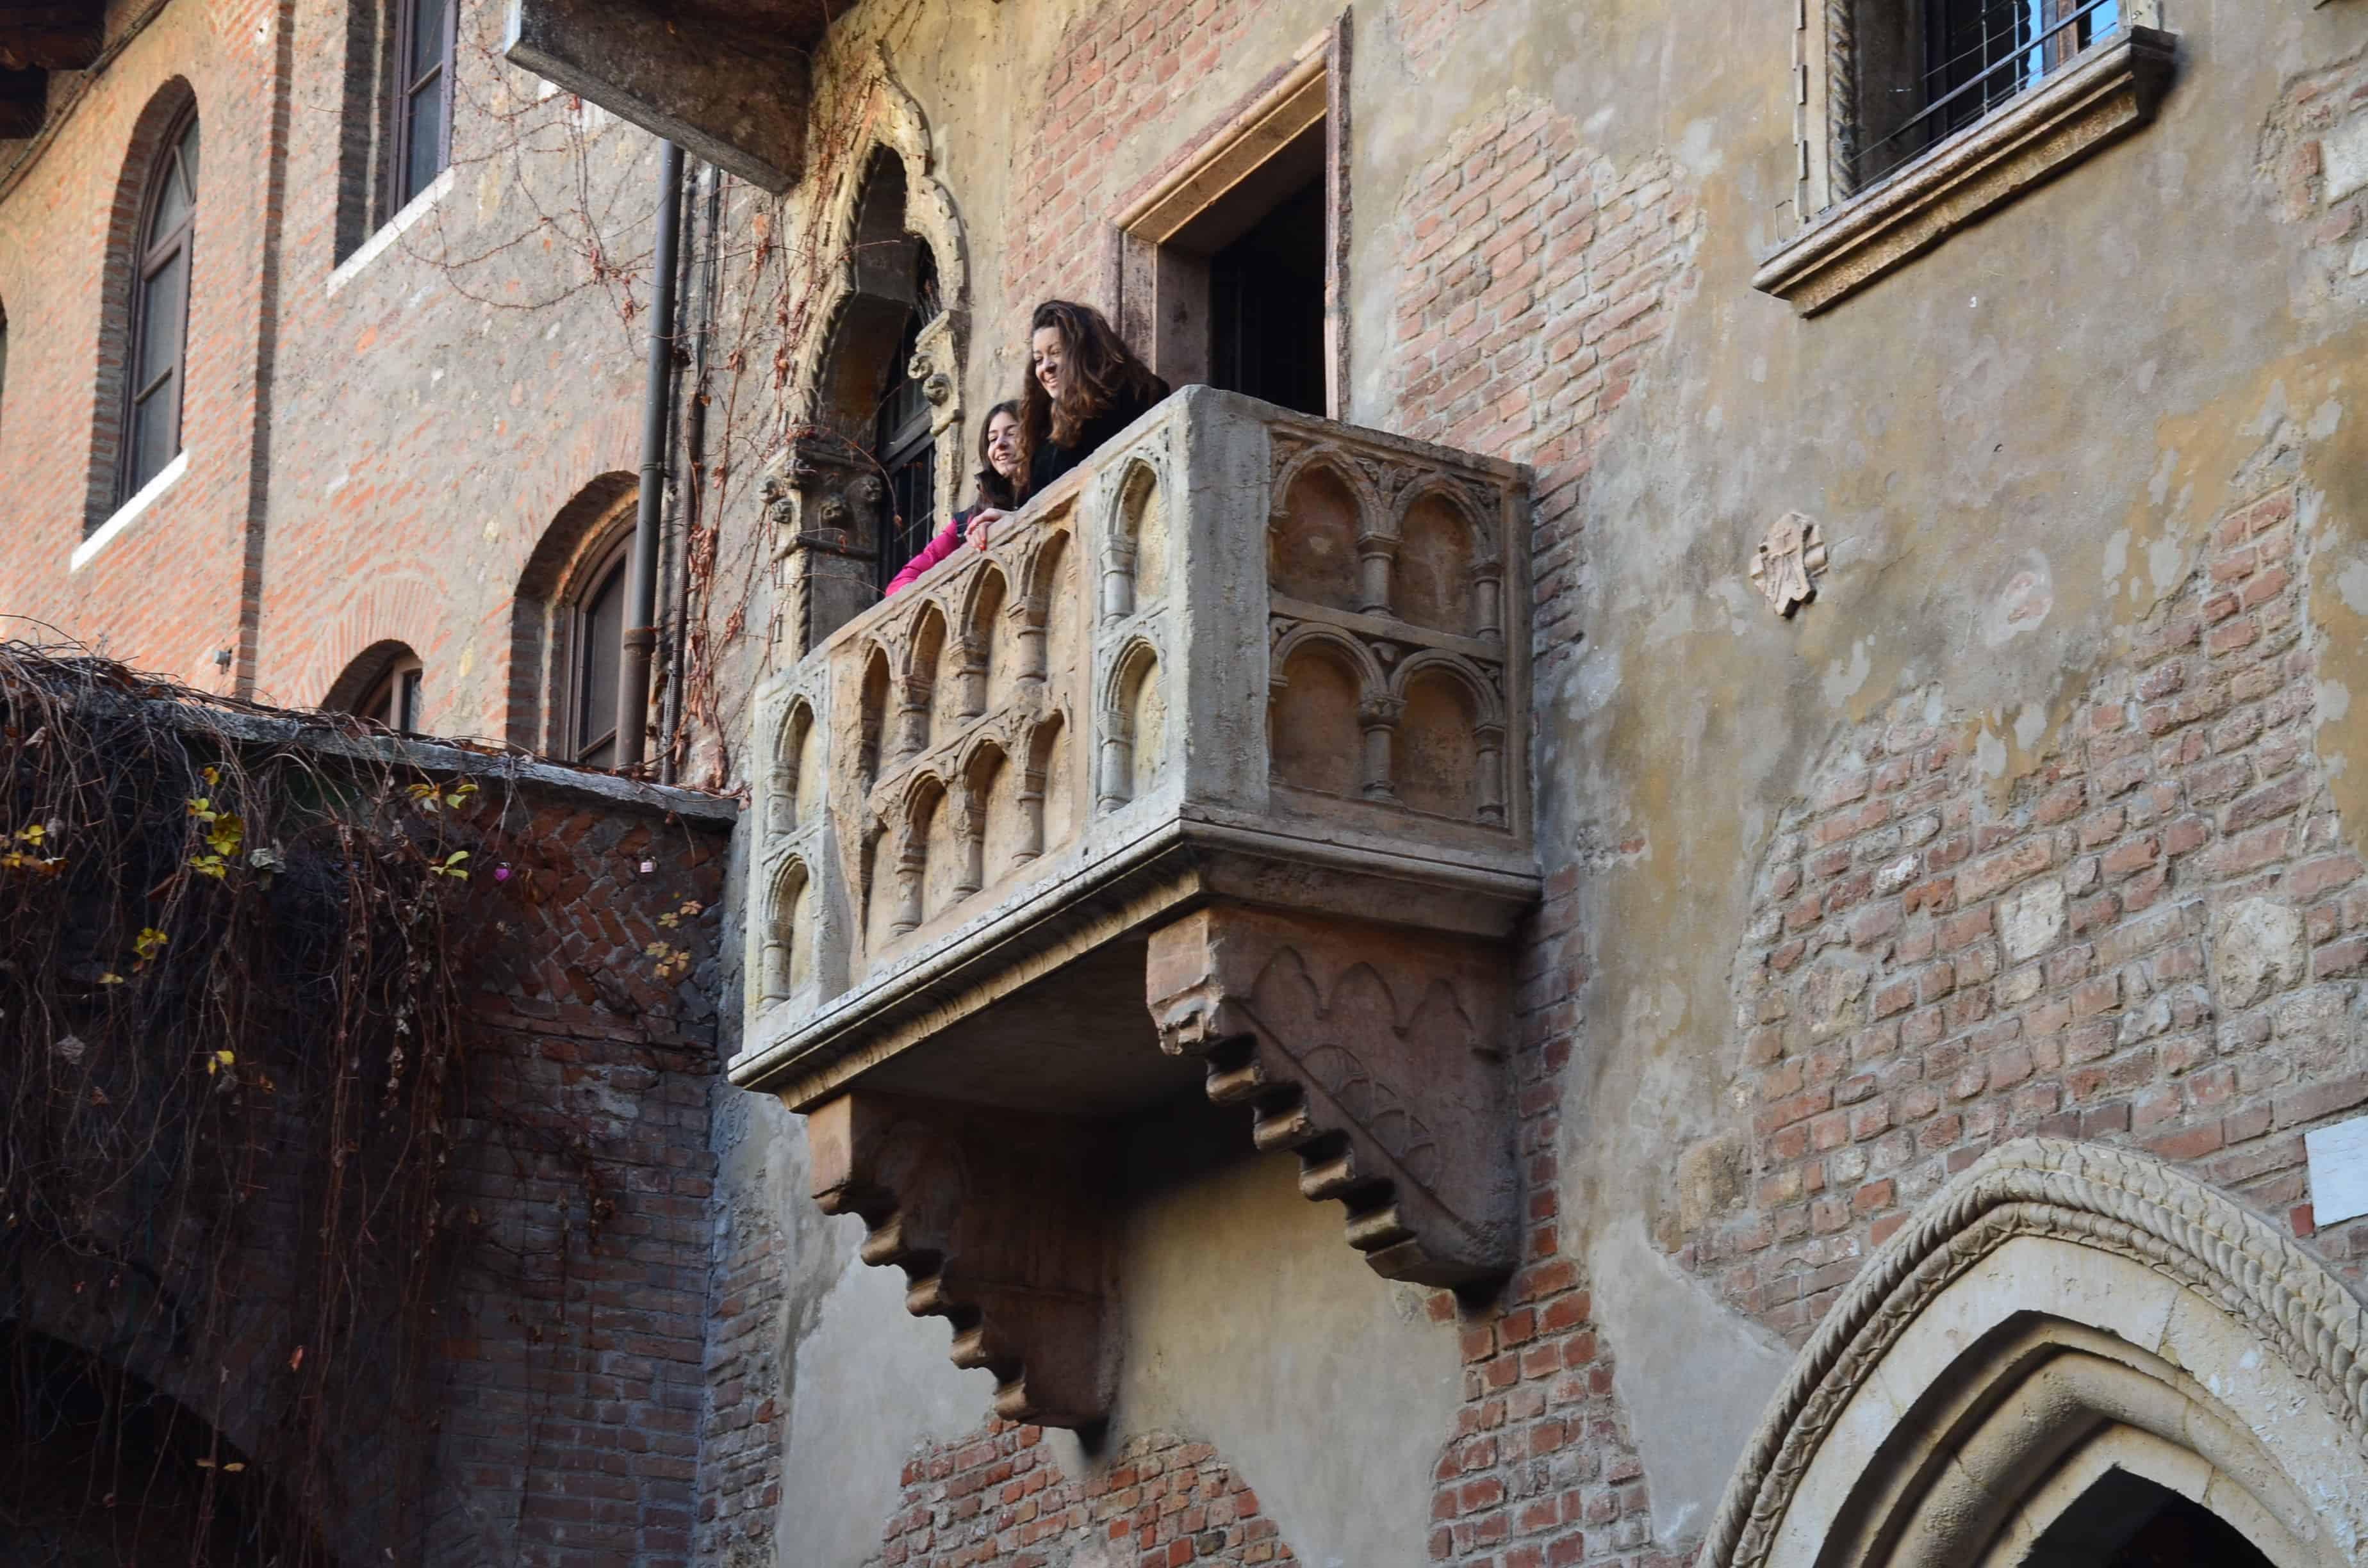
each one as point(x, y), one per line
point(1266, 297)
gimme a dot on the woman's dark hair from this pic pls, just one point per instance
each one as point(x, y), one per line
point(994, 490)
point(1098, 370)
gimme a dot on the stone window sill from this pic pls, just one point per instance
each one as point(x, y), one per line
point(2097, 99)
point(129, 513)
point(390, 231)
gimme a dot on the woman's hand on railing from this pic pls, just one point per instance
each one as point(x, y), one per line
point(979, 524)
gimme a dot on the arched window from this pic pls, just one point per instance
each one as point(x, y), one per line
point(160, 312)
point(567, 618)
point(383, 686)
point(420, 140)
point(393, 698)
point(595, 639)
point(870, 398)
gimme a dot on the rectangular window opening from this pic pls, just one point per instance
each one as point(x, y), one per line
point(1230, 266)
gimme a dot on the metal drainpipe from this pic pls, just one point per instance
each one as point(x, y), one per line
point(691, 419)
point(641, 585)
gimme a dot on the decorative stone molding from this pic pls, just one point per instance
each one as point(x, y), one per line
point(823, 500)
point(999, 1219)
point(894, 122)
point(2110, 92)
point(2129, 1206)
point(1786, 565)
point(1375, 1055)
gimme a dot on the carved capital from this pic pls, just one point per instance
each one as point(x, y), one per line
point(822, 494)
point(999, 1219)
point(1377, 1055)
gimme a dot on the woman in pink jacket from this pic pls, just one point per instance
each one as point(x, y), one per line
point(998, 473)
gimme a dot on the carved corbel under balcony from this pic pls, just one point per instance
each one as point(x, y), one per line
point(1000, 1223)
point(1378, 1056)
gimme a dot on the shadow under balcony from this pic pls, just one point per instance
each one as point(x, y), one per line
point(1209, 774)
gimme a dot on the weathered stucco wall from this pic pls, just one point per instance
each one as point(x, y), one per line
point(2055, 461)
point(2019, 447)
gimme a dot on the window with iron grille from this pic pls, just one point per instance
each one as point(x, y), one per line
point(1928, 69)
point(907, 454)
point(904, 443)
point(1914, 119)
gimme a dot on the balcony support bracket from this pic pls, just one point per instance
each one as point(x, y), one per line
point(1378, 1056)
point(1000, 1221)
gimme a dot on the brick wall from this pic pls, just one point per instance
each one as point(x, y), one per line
point(1540, 1469)
point(554, 1417)
point(2156, 941)
point(1426, 28)
point(574, 1370)
point(996, 1495)
point(169, 593)
point(1535, 279)
point(1123, 77)
point(745, 1416)
point(427, 422)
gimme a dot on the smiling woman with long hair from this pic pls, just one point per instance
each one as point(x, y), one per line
point(1084, 386)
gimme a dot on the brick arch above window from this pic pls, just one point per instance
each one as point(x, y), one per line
point(385, 683)
point(557, 609)
point(141, 275)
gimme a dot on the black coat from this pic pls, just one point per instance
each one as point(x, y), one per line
point(1051, 461)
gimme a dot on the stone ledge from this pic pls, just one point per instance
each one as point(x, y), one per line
point(2097, 100)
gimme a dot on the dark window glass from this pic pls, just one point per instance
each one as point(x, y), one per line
point(423, 118)
point(160, 319)
point(1266, 306)
point(908, 453)
point(599, 637)
point(3, 362)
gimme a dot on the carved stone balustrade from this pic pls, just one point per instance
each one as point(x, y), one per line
point(1210, 772)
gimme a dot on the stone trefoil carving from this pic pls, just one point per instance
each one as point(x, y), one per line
point(1785, 568)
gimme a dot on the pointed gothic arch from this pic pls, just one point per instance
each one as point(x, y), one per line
point(2065, 1336)
point(875, 407)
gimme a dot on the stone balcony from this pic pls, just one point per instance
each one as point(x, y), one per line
point(1210, 772)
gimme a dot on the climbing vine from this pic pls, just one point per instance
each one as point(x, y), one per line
point(228, 1038)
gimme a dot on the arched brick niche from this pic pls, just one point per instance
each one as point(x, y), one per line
point(2065, 1344)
